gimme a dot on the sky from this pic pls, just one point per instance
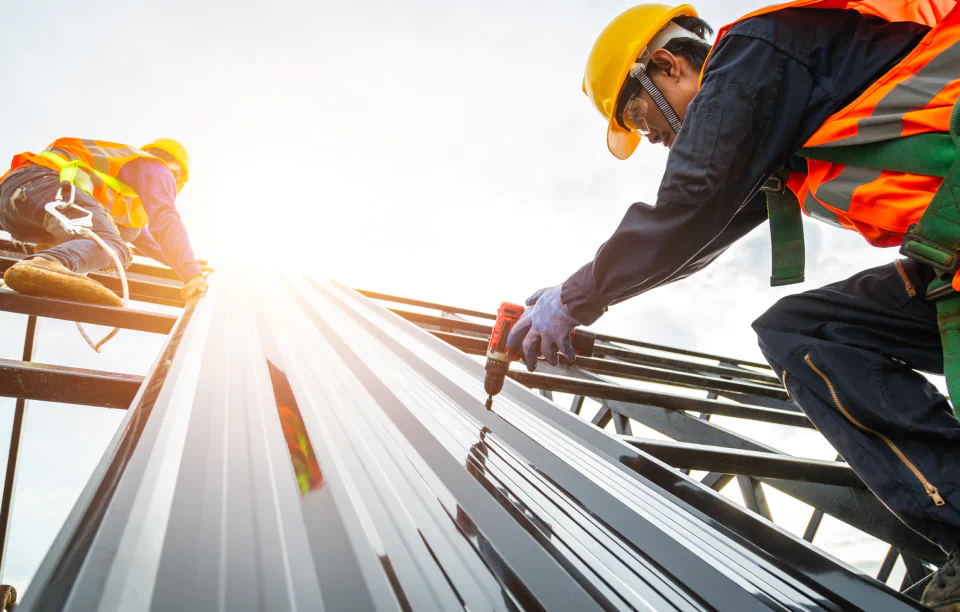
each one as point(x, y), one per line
point(436, 149)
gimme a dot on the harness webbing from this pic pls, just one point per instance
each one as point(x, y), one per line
point(931, 154)
point(934, 240)
point(786, 232)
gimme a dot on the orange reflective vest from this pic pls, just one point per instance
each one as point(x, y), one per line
point(915, 97)
point(96, 158)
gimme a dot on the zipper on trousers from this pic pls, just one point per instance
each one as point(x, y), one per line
point(931, 490)
point(911, 290)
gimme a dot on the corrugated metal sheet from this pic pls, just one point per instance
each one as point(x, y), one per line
point(298, 447)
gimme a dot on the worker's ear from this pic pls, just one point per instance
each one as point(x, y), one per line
point(667, 63)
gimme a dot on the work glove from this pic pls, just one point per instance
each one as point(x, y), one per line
point(544, 328)
point(195, 286)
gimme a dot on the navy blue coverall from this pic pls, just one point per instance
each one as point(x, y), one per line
point(848, 352)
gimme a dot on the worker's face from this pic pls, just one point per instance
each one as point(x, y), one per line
point(678, 82)
point(173, 164)
point(177, 173)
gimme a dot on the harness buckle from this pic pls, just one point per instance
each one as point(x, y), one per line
point(944, 260)
point(774, 184)
point(73, 226)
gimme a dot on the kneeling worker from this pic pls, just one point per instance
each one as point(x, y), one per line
point(126, 190)
point(849, 104)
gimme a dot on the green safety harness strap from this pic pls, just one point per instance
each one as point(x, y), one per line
point(934, 240)
point(786, 231)
point(931, 154)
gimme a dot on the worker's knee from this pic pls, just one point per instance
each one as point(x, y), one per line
point(787, 314)
point(779, 330)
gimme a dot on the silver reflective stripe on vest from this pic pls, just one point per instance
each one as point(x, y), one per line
point(101, 155)
point(910, 95)
point(107, 197)
point(838, 191)
point(819, 212)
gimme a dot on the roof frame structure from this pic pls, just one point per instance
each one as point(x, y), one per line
point(202, 333)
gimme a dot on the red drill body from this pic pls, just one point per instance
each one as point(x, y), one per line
point(498, 359)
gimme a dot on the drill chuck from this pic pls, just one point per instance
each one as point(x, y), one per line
point(496, 373)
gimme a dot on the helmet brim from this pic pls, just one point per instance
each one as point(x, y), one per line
point(622, 143)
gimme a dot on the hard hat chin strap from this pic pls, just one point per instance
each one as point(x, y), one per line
point(638, 71)
point(640, 74)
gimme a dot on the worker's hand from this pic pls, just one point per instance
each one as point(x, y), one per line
point(195, 286)
point(544, 328)
point(536, 296)
point(207, 269)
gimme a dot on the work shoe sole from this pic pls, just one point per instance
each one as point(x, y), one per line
point(36, 278)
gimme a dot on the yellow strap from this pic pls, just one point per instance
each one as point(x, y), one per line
point(69, 172)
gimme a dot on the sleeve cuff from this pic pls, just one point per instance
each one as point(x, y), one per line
point(188, 270)
point(579, 295)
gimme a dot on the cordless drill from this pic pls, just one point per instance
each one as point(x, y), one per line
point(498, 358)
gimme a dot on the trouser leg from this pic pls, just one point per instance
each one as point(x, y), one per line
point(23, 197)
point(848, 353)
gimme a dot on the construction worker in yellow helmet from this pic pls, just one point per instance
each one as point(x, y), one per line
point(833, 109)
point(130, 194)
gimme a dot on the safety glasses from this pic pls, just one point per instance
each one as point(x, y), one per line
point(634, 116)
point(632, 109)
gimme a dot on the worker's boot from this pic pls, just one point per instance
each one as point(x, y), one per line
point(943, 592)
point(48, 278)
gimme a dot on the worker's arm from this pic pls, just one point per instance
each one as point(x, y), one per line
point(769, 84)
point(157, 189)
point(745, 122)
point(148, 244)
point(753, 214)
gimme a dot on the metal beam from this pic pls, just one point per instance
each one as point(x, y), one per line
point(125, 318)
point(679, 379)
point(753, 497)
point(854, 506)
point(430, 500)
point(477, 346)
point(420, 303)
point(604, 390)
point(13, 452)
point(49, 383)
point(889, 561)
point(544, 413)
point(601, 337)
point(748, 463)
point(603, 351)
point(915, 573)
point(687, 366)
point(679, 351)
point(813, 525)
point(153, 271)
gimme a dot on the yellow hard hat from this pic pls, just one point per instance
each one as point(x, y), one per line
point(174, 149)
point(616, 50)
